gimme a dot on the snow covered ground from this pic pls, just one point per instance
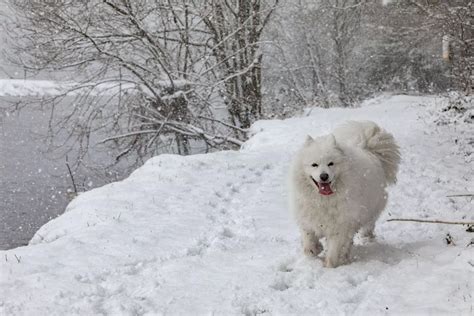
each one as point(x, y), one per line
point(211, 234)
point(42, 88)
point(20, 87)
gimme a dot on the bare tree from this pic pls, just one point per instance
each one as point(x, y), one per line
point(332, 53)
point(453, 19)
point(236, 28)
point(148, 75)
point(312, 59)
point(294, 63)
point(344, 19)
point(408, 37)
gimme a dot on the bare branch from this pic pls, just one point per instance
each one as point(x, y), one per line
point(432, 221)
point(223, 123)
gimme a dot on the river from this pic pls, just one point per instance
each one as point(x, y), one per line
point(33, 181)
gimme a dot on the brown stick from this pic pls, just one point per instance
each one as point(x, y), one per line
point(70, 174)
point(433, 221)
point(465, 194)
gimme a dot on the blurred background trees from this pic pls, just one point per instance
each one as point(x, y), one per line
point(336, 53)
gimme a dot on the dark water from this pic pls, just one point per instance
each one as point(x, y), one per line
point(33, 182)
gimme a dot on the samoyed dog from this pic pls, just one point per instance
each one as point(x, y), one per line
point(337, 187)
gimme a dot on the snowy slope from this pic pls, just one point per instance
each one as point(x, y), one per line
point(43, 88)
point(19, 87)
point(212, 234)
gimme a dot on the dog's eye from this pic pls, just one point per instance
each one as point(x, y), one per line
point(330, 164)
point(314, 165)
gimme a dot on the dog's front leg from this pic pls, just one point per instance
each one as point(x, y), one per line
point(311, 244)
point(339, 247)
point(368, 231)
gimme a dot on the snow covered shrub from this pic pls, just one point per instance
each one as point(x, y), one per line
point(457, 111)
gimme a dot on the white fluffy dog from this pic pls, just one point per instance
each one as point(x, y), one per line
point(337, 186)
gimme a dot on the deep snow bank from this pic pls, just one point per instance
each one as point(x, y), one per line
point(211, 234)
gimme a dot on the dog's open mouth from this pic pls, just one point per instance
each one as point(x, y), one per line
point(323, 187)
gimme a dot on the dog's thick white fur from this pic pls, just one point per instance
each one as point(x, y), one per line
point(337, 186)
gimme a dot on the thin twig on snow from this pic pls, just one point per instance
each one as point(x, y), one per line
point(432, 221)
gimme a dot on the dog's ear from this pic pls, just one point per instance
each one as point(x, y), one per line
point(332, 140)
point(308, 140)
point(334, 143)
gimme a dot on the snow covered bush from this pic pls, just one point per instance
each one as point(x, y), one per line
point(457, 112)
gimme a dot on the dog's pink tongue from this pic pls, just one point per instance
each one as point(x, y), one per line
point(325, 189)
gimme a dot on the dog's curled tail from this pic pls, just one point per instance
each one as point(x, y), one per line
point(382, 144)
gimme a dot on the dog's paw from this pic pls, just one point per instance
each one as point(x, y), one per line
point(364, 240)
point(312, 250)
point(311, 244)
point(335, 262)
point(328, 263)
point(368, 236)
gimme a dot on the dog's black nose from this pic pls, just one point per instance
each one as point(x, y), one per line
point(324, 176)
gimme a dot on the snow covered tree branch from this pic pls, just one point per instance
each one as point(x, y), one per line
point(140, 66)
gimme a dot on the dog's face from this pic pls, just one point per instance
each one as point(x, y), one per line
point(322, 162)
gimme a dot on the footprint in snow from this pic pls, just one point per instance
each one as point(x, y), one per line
point(280, 285)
